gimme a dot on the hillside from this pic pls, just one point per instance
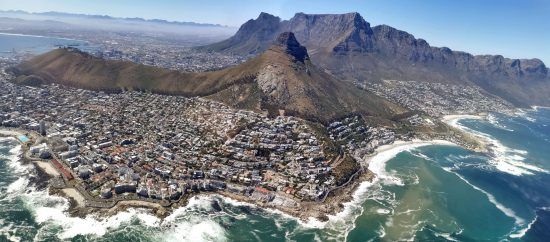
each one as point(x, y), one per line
point(281, 79)
point(348, 47)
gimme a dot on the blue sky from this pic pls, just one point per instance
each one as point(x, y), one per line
point(516, 29)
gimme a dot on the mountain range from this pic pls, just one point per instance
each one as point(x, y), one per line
point(311, 66)
point(281, 79)
point(52, 14)
point(346, 46)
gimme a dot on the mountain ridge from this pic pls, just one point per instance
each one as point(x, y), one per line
point(347, 46)
point(281, 79)
point(108, 17)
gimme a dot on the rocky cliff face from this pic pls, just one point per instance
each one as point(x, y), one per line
point(287, 43)
point(332, 32)
point(399, 44)
point(253, 37)
point(347, 46)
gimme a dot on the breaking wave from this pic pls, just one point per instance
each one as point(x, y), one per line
point(492, 119)
point(503, 158)
point(50, 212)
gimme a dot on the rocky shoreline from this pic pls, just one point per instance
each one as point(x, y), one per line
point(303, 211)
point(45, 174)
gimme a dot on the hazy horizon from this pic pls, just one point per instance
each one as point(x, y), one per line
point(513, 29)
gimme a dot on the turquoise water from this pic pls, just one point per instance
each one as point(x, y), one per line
point(11, 44)
point(428, 193)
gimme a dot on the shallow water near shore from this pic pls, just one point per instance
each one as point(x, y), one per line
point(433, 193)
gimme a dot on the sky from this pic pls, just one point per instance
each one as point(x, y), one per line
point(512, 28)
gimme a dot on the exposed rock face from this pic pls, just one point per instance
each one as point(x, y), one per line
point(334, 32)
point(288, 43)
point(400, 44)
point(253, 37)
point(347, 46)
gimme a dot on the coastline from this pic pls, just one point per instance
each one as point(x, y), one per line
point(453, 118)
point(37, 36)
point(309, 214)
point(503, 158)
point(339, 209)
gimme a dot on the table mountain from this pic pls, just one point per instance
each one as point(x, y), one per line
point(348, 47)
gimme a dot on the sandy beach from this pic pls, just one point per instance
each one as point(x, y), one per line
point(46, 167)
point(74, 194)
point(452, 119)
point(400, 143)
point(377, 161)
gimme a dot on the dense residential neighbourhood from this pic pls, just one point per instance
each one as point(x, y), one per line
point(170, 57)
point(143, 146)
point(137, 145)
point(438, 99)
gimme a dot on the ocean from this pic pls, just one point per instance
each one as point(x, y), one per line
point(11, 44)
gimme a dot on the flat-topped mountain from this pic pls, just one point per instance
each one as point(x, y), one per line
point(348, 47)
point(281, 79)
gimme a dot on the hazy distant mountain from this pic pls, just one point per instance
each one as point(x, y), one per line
point(280, 78)
point(98, 27)
point(347, 46)
point(20, 13)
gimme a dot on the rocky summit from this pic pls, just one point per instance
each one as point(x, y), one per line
point(290, 45)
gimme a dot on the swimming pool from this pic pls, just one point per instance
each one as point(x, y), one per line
point(23, 138)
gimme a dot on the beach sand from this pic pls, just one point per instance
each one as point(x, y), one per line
point(46, 167)
point(74, 194)
point(452, 119)
point(403, 145)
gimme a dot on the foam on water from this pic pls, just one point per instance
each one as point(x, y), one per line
point(9, 230)
point(194, 229)
point(190, 223)
point(446, 236)
point(377, 163)
point(494, 121)
point(182, 225)
point(520, 233)
point(340, 224)
point(51, 213)
point(381, 232)
point(504, 159)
